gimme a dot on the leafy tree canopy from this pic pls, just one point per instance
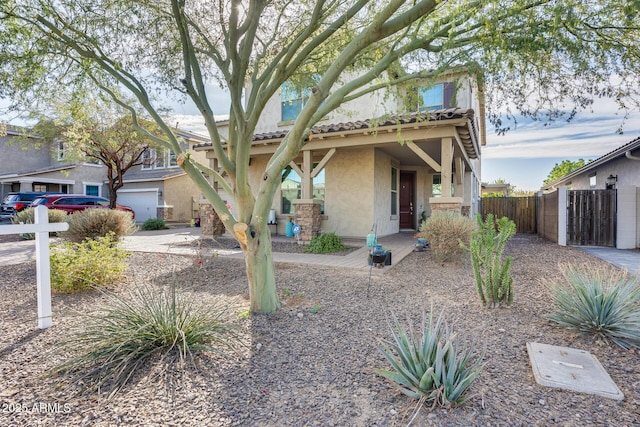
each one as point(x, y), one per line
point(564, 168)
point(544, 59)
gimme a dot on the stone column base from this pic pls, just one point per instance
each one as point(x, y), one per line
point(308, 217)
point(209, 221)
point(451, 204)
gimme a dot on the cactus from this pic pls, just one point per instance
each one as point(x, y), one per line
point(492, 275)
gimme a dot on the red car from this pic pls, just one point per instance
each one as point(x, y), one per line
point(71, 203)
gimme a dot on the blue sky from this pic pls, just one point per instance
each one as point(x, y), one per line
point(525, 155)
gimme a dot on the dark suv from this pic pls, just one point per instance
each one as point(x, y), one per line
point(71, 203)
point(15, 201)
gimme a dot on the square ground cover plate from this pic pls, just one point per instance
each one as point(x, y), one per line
point(571, 369)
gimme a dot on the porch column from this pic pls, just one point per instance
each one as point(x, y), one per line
point(445, 202)
point(307, 178)
point(446, 153)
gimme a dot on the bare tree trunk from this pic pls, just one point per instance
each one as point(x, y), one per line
point(261, 273)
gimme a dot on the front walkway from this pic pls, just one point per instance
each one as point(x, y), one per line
point(170, 241)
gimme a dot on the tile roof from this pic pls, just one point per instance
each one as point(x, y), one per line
point(395, 120)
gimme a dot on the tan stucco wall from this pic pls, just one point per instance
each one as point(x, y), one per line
point(349, 198)
point(183, 194)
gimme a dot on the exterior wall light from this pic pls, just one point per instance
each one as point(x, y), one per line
point(611, 181)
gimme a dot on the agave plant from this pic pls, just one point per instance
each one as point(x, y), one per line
point(430, 366)
point(601, 301)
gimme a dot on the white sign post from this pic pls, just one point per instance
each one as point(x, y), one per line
point(41, 228)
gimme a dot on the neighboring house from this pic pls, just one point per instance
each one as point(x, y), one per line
point(27, 167)
point(617, 170)
point(159, 188)
point(366, 168)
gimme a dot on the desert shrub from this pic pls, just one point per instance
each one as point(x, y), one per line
point(81, 266)
point(142, 327)
point(27, 216)
point(493, 275)
point(600, 301)
point(154, 224)
point(95, 223)
point(325, 243)
point(445, 230)
point(432, 365)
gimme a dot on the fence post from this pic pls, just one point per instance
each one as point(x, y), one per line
point(43, 266)
point(562, 216)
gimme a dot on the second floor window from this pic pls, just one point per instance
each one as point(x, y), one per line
point(60, 150)
point(292, 101)
point(158, 159)
point(437, 97)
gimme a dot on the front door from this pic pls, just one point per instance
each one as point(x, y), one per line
point(407, 180)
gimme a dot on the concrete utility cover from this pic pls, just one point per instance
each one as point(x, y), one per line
point(571, 369)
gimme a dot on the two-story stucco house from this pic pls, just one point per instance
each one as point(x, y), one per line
point(159, 188)
point(369, 168)
point(26, 167)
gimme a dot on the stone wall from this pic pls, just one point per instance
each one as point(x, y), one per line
point(209, 221)
point(308, 217)
point(165, 212)
point(451, 204)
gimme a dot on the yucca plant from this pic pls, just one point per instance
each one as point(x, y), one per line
point(432, 365)
point(136, 330)
point(600, 301)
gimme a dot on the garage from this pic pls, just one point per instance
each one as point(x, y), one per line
point(144, 202)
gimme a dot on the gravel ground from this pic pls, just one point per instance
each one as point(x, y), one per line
point(312, 362)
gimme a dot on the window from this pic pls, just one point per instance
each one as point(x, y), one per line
point(394, 191)
point(436, 186)
point(147, 159)
point(159, 159)
point(437, 97)
point(91, 190)
point(40, 187)
point(292, 100)
point(318, 188)
point(173, 159)
point(60, 149)
point(291, 189)
point(592, 180)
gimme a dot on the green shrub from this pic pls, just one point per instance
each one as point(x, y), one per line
point(600, 301)
point(493, 279)
point(135, 330)
point(325, 243)
point(95, 223)
point(86, 265)
point(27, 216)
point(432, 365)
point(445, 230)
point(154, 224)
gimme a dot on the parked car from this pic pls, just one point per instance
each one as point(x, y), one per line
point(15, 202)
point(71, 203)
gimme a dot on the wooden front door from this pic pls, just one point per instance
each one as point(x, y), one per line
point(407, 180)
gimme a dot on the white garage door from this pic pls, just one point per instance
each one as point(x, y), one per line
point(144, 203)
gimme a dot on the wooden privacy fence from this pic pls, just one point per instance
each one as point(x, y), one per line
point(591, 217)
point(548, 216)
point(521, 210)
